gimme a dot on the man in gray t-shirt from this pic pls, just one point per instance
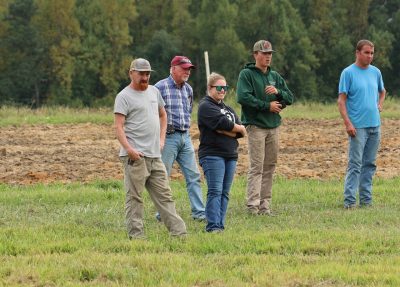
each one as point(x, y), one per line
point(140, 122)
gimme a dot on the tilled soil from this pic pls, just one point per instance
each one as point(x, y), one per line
point(85, 152)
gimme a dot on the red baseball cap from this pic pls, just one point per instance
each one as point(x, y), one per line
point(182, 61)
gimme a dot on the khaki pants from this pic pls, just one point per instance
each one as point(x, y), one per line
point(263, 155)
point(149, 173)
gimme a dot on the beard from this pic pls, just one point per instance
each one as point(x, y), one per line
point(143, 86)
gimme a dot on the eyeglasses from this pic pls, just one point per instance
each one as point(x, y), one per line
point(184, 61)
point(219, 88)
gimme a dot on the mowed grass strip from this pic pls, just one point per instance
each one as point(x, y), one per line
point(18, 116)
point(74, 235)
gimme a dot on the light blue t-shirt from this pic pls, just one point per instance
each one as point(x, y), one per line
point(362, 87)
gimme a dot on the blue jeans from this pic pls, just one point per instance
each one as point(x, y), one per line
point(178, 146)
point(219, 173)
point(363, 149)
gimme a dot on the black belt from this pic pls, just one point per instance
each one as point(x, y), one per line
point(175, 131)
point(171, 130)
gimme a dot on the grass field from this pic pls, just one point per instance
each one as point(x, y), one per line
point(61, 115)
point(53, 115)
point(74, 235)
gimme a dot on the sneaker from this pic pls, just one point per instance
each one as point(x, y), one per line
point(266, 212)
point(140, 236)
point(215, 231)
point(252, 211)
point(200, 218)
point(158, 217)
point(182, 236)
point(350, 206)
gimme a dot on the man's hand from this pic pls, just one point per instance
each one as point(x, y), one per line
point(270, 90)
point(275, 107)
point(351, 131)
point(134, 154)
point(162, 143)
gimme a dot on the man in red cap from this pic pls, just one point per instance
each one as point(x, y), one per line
point(178, 97)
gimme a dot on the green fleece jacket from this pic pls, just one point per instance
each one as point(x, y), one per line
point(253, 99)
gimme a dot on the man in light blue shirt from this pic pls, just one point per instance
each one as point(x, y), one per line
point(361, 97)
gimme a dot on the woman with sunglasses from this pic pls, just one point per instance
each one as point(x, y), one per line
point(219, 129)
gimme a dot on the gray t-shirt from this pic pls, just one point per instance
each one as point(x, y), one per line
point(142, 122)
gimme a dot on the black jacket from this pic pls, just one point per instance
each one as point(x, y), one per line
point(213, 116)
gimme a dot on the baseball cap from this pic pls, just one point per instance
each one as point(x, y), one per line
point(262, 46)
point(140, 65)
point(182, 61)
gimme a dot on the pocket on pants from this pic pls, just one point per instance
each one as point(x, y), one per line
point(136, 167)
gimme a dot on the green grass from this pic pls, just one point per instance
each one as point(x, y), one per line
point(61, 115)
point(74, 235)
point(313, 110)
point(304, 110)
point(53, 115)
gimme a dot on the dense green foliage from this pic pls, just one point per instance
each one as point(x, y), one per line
point(74, 235)
point(76, 53)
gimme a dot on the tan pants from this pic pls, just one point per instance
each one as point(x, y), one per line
point(263, 155)
point(149, 173)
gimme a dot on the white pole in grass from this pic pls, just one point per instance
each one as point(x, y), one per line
point(207, 64)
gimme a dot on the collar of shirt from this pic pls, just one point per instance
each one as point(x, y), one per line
point(175, 84)
point(178, 103)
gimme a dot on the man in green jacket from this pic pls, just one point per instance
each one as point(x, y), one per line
point(262, 93)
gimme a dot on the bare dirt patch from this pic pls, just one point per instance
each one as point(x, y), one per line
point(86, 152)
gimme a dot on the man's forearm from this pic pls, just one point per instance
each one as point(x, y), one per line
point(343, 110)
point(121, 137)
point(163, 125)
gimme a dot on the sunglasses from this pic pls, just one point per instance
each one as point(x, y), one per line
point(184, 61)
point(219, 88)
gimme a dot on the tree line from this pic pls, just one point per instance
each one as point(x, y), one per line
point(77, 52)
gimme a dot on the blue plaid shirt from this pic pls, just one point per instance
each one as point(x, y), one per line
point(178, 102)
